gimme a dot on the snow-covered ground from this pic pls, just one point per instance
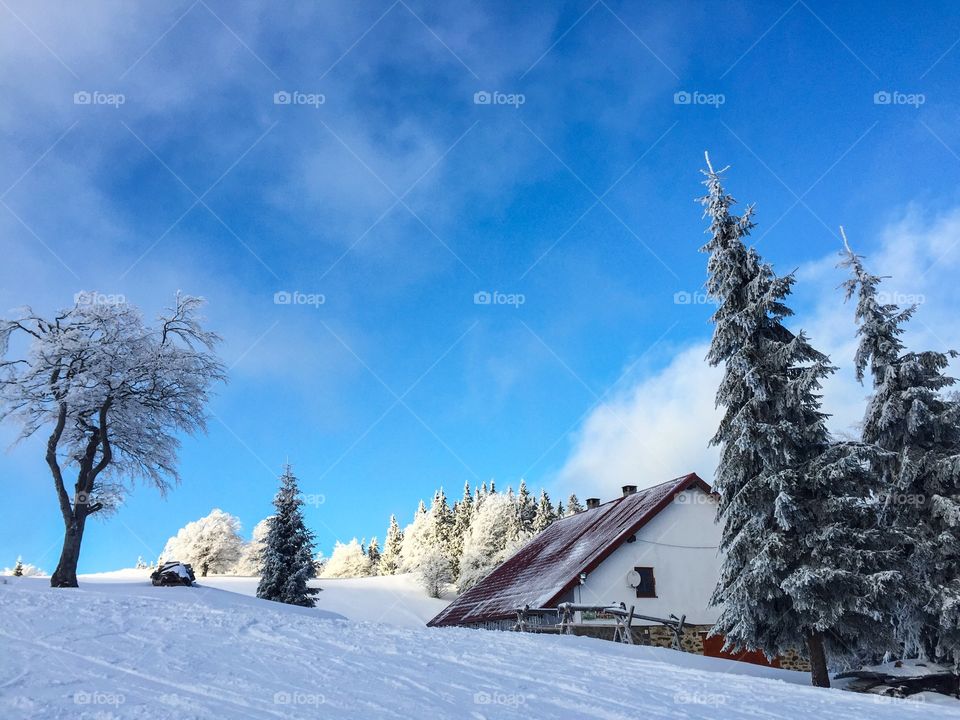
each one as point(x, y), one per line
point(118, 648)
point(392, 599)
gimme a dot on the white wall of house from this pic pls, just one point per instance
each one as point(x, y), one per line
point(680, 544)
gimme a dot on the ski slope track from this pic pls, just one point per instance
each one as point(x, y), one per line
point(128, 650)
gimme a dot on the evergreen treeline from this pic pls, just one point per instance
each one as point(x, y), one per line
point(457, 544)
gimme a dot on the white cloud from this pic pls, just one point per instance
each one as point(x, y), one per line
point(660, 427)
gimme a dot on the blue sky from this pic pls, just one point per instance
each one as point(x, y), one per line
point(398, 198)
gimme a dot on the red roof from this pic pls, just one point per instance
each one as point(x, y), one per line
point(550, 564)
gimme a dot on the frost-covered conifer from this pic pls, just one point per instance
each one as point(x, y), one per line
point(910, 417)
point(545, 514)
point(373, 555)
point(526, 508)
point(780, 547)
point(287, 559)
point(573, 505)
point(391, 557)
point(347, 560)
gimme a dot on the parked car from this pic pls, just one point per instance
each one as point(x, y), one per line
point(173, 573)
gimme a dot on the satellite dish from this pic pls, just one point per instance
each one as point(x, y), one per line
point(633, 578)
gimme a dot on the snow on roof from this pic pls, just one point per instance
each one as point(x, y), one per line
point(551, 563)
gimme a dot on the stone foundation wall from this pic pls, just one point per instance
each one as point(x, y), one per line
point(691, 641)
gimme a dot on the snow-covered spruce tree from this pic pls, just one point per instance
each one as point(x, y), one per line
point(348, 560)
point(419, 538)
point(373, 555)
point(210, 544)
point(910, 417)
point(784, 583)
point(573, 505)
point(462, 515)
point(18, 568)
point(526, 507)
point(545, 513)
point(114, 394)
point(287, 560)
point(22, 569)
point(442, 518)
point(391, 557)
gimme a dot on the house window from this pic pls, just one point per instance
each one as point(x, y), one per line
point(647, 587)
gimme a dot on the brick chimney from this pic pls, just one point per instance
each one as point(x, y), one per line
point(593, 503)
point(629, 490)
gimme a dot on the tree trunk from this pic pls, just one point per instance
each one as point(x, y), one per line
point(66, 573)
point(818, 660)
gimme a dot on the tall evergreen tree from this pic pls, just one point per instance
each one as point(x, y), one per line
point(391, 557)
point(526, 508)
point(909, 417)
point(287, 561)
point(779, 479)
point(462, 515)
point(443, 520)
point(373, 553)
point(545, 514)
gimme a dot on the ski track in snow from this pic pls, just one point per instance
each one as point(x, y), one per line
point(204, 653)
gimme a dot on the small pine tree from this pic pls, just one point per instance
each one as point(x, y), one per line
point(141, 564)
point(373, 553)
point(287, 561)
point(573, 505)
point(18, 568)
point(545, 514)
point(390, 559)
point(526, 508)
point(462, 515)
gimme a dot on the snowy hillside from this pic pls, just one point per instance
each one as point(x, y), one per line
point(391, 599)
point(128, 650)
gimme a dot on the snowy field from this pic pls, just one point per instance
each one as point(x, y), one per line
point(392, 599)
point(118, 648)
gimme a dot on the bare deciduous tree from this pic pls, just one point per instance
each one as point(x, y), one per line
point(114, 393)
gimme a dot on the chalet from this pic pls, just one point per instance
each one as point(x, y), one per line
point(653, 551)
